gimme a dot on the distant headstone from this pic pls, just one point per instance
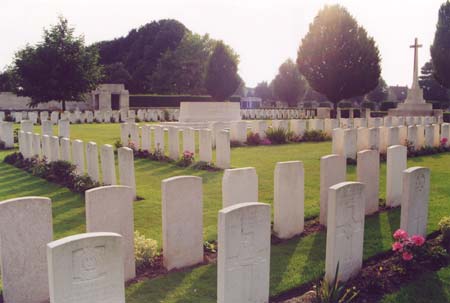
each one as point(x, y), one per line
point(86, 268)
point(223, 150)
point(395, 165)
point(333, 170)
point(25, 228)
point(64, 128)
point(126, 168)
point(108, 165)
point(368, 173)
point(239, 185)
point(110, 209)
point(289, 196)
point(182, 217)
point(345, 230)
point(47, 128)
point(243, 266)
point(415, 200)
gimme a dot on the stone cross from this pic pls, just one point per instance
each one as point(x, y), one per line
point(416, 63)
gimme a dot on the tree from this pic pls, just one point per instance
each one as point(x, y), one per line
point(263, 91)
point(432, 90)
point(288, 84)
point(380, 93)
point(222, 78)
point(59, 68)
point(116, 73)
point(337, 57)
point(440, 50)
point(183, 70)
point(6, 81)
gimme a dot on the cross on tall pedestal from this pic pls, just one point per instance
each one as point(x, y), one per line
point(416, 46)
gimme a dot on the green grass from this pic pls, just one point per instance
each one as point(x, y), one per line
point(292, 263)
point(430, 287)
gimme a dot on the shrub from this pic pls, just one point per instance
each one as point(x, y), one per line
point(166, 115)
point(16, 135)
point(315, 136)
point(2, 145)
point(145, 250)
point(334, 292)
point(407, 247)
point(277, 135)
point(253, 138)
point(13, 158)
point(61, 172)
point(186, 159)
point(202, 165)
point(324, 104)
point(83, 183)
point(378, 114)
point(345, 104)
point(117, 144)
point(444, 226)
point(386, 105)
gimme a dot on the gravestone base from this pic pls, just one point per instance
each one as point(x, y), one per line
point(209, 111)
point(412, 110)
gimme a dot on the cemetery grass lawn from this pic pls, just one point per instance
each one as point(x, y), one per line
point(430, 287)
point(294, 262)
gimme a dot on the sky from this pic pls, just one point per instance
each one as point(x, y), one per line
point(264, 33)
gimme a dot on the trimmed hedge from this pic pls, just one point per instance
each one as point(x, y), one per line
point(368, 104)
point(170, 100)
point(386, 105)
point(378, 114)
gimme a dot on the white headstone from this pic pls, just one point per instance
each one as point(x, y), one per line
point(37, 148)
point(345, 230)
point(108, 164)
point(7, 134)
point(415, 198)
point(110, 209)
point(243, 266)
point(54, 149)
point(78, 156)
point(26, 126)
point(174, 143)
point(64, 128)
point(65, 149)
point(146, 142)
point(239, 185)
point(182, 218)
point(298, 127)
point(92, 161)
point(289, 199)
point(368, 173)
point(205, 145)
point(47, 128)
point(25, 228)
point(333, 170)
point(238, 131)
point(86, 268)
point(395, 165)
point(45, 147)
point(159, 138)
point(189, 140)
point(223, 150)
point(126, 168)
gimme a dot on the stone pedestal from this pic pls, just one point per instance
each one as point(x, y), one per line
point(209, 111)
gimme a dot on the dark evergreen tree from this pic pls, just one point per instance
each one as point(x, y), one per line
point(440, 50)
point(380, 93)
point(432, 90)
point(116, 73)
point(288, 84)
point(222, 79)
point(59, 68)
point(337, 57)
point(263, 91)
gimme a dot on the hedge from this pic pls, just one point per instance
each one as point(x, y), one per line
point(170, 100)
point(447, 117)
point(386, 105)
point(378, 114)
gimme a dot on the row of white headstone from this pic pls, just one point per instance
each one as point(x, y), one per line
point(152, 139)
point(244, 229)
point(54, 149)
point(273, 113)
point(348, 142)
point(104, 116)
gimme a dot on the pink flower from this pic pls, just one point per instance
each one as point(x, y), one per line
point(397, 246)
point(444, 141)
point(418, 240)
point(407, 256)
point(266, 142)
point(400, 234)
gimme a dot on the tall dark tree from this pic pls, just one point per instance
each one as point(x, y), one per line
point(183, 70)
point(6, 81)
point(59, 68)
point(380, 93)
point(289, 84)
point(337, 57)
point(264, 91)
point(440, 50)
point(222, 78)
point(116, 73)
point(432, 90)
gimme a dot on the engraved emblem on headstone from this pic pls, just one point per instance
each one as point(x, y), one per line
point(88, 264)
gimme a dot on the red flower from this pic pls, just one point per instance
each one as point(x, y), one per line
point(400, 234)
point(418, 240)
point(397, 246)
point(407, 256)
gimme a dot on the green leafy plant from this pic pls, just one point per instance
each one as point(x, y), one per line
point(444, 226)
point(145, 250)
point(277, 135)
point(253, 138)
point(186, 159)
point(83, 183)
point(315, 136)
point(334, 291)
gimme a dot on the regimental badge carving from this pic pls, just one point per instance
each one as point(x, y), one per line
point(420, 182)
point(88, 264)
